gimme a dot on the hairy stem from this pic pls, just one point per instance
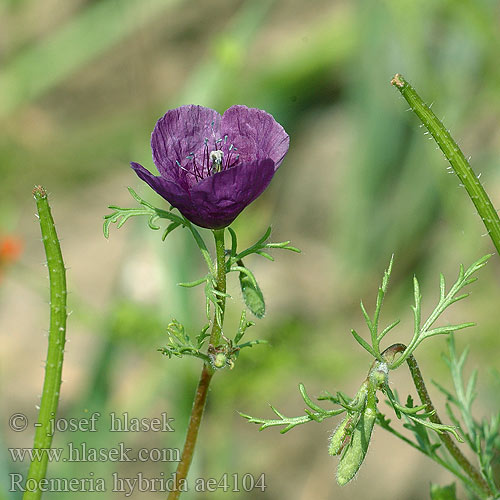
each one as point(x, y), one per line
point(206, 374)
point(220, 285)
point(55, 352)
point(390, 354)
point(192, 432)
point(455, 156)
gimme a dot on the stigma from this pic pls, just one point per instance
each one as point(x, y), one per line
point(216, 158)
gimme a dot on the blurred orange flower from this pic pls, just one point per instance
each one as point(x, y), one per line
point(11, 248)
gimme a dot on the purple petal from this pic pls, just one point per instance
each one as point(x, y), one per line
point(179, 133)
point(220, 198)
point(255, 133)
point(169, 190)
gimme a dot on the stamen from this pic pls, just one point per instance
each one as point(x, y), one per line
point(206, 159)
point(191, 156)
point(197, 173)
point(185, 169)
point(228, 159)
point(234, 162)
point(210, 161)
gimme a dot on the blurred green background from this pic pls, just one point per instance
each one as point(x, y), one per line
point(82, 83)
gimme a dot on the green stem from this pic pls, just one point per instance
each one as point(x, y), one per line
point(55, 353)
point(455, 156)
point(389, 355)
point(192, 432)
point(206, 373)
point(220, 285)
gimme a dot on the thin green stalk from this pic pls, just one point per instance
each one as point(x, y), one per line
point(206, 373)
point(55, 353)
point(482, 486)
point(455, 156)
point(220, 285)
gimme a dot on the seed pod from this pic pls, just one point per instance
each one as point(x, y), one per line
point(355, 452)
point(341, 435)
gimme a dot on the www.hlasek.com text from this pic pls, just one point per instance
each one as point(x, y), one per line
point(81, 452)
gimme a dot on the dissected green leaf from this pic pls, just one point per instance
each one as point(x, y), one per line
point(243, 326)
point(443, 492)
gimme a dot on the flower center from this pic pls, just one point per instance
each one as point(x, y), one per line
point(216, 157)
point(210, 160)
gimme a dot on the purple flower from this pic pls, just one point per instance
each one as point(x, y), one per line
point(211, 167)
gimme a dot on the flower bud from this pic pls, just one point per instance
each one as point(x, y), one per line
point(219, 360)
point(355, 452)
